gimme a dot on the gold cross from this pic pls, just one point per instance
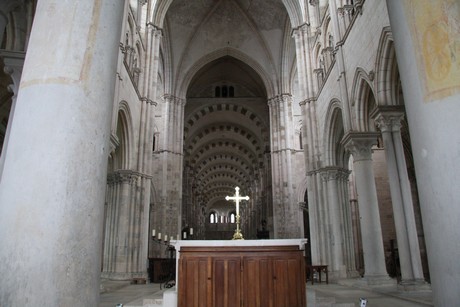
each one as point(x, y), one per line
point(237, 235)
point(237, 199)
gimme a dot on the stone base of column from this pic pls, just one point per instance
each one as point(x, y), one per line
point(353, 274)
point(414, 285)
point(377, 281)
point(335, 276)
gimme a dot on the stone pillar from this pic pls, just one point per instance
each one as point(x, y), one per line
point(282, 134)
point(360, 145)
point(170, 218)
point(332, 175)
point(431, 89)
point(54, 177)
point(389, 121)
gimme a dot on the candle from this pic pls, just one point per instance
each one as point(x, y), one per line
point(172, 238)
point(185, 235)
point(191, 231)
point(153, 232)
point(159, 236)
point(166, 238)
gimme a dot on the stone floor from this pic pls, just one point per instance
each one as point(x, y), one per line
point(344, 294)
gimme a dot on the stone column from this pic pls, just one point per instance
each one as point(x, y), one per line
point(332, 175)
point(172, 158)
point(360, 145)
point(389, 121)
point(431, 89)
point(54, 177)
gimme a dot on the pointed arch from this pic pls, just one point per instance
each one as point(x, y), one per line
point(387, 73)
point(265, 77)
point(160, 7)
point(363, 100)
point(125, 135)
point(335, 153)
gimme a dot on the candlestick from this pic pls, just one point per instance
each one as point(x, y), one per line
point(166, 238)
point(153, 232)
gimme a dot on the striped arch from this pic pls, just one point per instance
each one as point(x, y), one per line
point(252, 116)
point(363, 101)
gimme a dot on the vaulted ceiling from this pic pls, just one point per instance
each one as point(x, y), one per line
point(238, 47)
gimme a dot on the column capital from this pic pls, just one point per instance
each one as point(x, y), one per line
point(360, 144)
point(154, 30)
point(174, 99)
point(388, 118)
point(125, 176)
point(14, 62)
point(148, 101)
point(333, 173)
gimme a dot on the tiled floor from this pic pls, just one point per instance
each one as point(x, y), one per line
point(318, 295)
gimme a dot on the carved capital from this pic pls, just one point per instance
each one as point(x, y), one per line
point(388, 118)
point(125, 176)
point(334, 173)
point(360, 144)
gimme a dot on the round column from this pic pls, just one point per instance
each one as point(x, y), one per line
point(360, 145)
point(389, 121)
point(431, 88)
point(54, 177)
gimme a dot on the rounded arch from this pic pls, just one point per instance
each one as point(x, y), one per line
point(363, 100)
point(228, 51)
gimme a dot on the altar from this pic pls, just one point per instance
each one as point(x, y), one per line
point(264, 273)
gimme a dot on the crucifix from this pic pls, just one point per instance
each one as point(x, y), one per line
point(237, 235)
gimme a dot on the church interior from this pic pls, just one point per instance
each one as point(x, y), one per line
point(125, 126)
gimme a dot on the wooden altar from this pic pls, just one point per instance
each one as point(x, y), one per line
point(256, 273)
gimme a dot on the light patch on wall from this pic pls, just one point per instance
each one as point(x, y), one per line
point(435, 30)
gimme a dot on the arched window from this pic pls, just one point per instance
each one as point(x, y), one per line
point(231, 91)
point(224, 91)
point(212, 218)
point(217, 91)
point(232, 218)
